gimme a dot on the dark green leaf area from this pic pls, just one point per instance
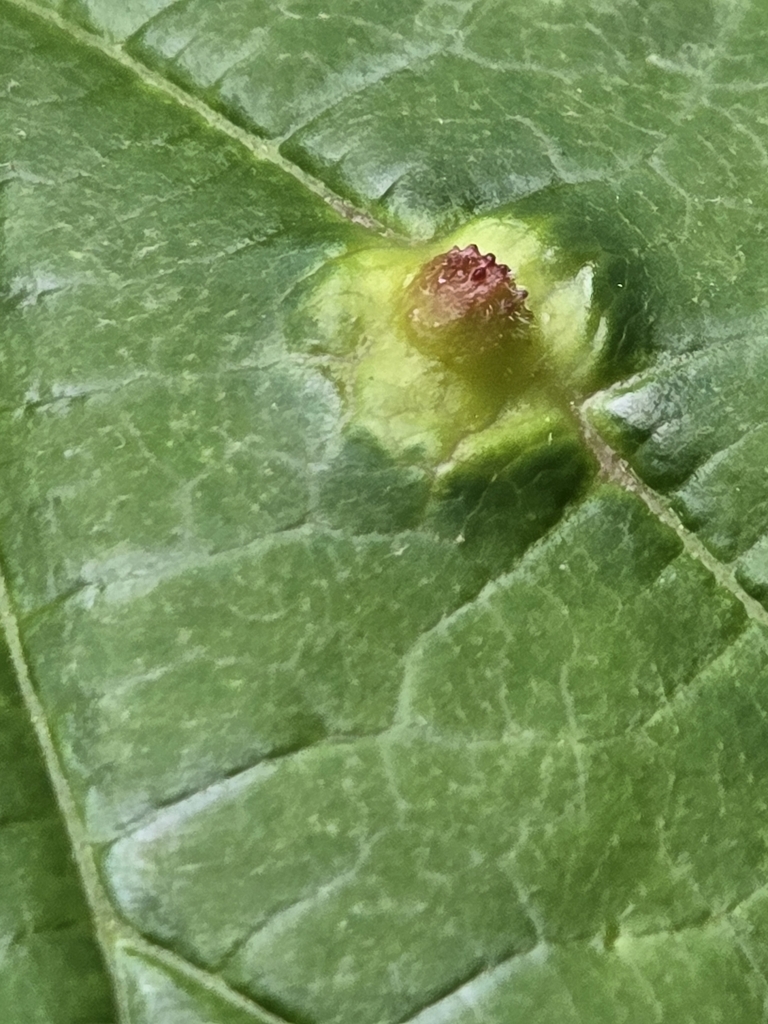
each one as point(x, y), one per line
point(458, 80)
point(274, 68)
point(295, 640)
point(364, 489)
point(497, 510)
point(119, 480)
point(185, 280)
point(458, 133)
point(542, 810)
point(692, 977)
point(147, 399)
point(695, 428)
point(494, 509)
point(50, 967)
point(158, 994)
point(636, 576)
point(560, 92)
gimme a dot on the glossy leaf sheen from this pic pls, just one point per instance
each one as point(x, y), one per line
point(346, 742)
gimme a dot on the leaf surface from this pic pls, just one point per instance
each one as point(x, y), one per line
point(339, 734)
point(50, 965)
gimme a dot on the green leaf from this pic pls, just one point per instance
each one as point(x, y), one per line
point(156, 991)
point(340, 687)
point(715, 477)
point(50, 966)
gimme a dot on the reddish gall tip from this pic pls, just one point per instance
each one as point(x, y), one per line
point(462, 284)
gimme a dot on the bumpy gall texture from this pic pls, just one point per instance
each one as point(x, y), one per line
point(465, 285)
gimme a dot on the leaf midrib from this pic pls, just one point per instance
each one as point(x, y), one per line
point(261, 148)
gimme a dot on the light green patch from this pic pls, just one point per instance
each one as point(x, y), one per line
point(355, 321)
point(515, 429)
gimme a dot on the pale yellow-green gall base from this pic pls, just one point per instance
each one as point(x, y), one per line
point(417, 405)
